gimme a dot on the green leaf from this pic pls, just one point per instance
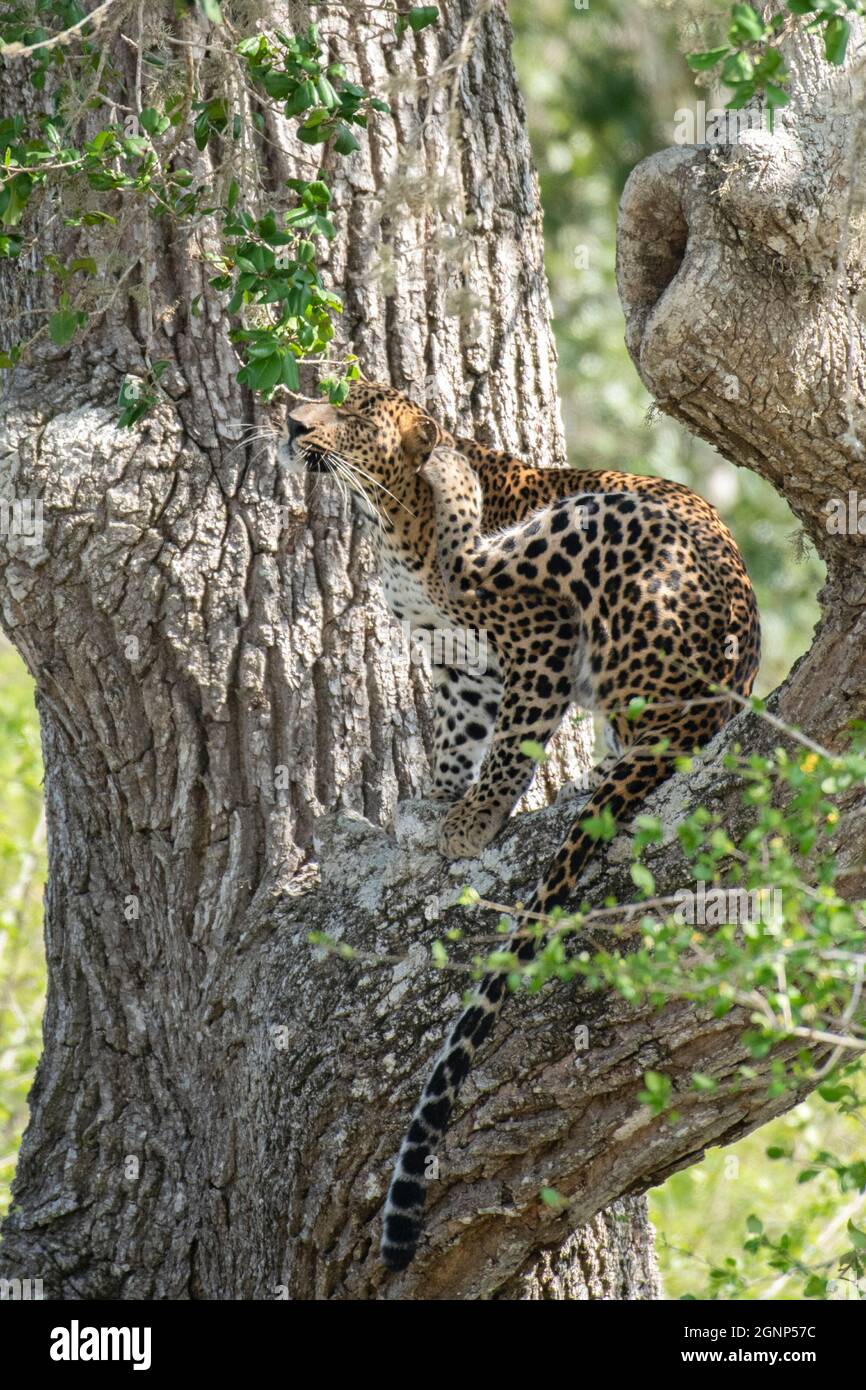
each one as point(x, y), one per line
point(134, 401)
point(643, 879)
point(302, 98)
point(93, 219)
point(551, 1198)
point(418, 18)
point(314, 134)
point(153, 122)
point(601, 827)
point(832, 1093)
point(327, 96)
point(836, 39)
point(62, 326)
point(738, 68)
point(530, 749)
point(702, 62)
point(775, 96)
point(268, 374)
point(468, 897)
point(345, 142)
point(743, 93)
point(338, 392)
point(746, 24)
point(858, 1237)
point(816, 1287)
point(290, 378)
point(211, 10)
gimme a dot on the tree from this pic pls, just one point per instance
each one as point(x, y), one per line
point(213, 662)
point(216, 1112)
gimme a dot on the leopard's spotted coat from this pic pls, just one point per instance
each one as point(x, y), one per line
point(595, 587)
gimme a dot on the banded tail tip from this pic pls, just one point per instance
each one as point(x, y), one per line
point(397, 1257)
point(399, 1240)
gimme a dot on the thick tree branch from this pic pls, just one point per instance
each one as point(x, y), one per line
point(538, 1110)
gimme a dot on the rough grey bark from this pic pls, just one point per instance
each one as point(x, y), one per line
point(214, 1112)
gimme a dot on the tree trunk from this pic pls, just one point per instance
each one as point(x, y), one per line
point(215, 1111)
point(740, 272)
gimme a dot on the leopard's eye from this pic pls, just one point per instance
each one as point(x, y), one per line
point(354, 415)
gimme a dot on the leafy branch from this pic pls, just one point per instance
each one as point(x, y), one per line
point(267, 259)
point(751, 63)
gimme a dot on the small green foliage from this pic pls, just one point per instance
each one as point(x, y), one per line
point(138, 396)
point(657, 1092)
point(601, 827)
point(265, 260)
point(63, 325)
point(751, 64)
point(439, 954)
point(530, 749)
point(642, 879)
point(784, 947)
point(469, 897)
point(416, 19)
point(293, 70)
point(551, 1198)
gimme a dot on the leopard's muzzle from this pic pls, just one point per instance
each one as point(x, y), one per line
point(300, 456)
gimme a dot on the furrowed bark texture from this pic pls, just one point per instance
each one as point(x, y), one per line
point(215, 1112)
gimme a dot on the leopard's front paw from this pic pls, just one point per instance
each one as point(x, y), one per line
point(439, 792)
point(468, 829)
point(450, 785)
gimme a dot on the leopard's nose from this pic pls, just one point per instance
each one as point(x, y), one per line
point(294, 429)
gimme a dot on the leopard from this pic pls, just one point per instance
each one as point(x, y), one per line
point(622, 593)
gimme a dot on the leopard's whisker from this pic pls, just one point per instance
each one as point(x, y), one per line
point(341, 469)
point(363, 471)
point(250, 439)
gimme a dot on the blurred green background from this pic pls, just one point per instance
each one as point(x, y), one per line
point(22, 875)
point(602, 85)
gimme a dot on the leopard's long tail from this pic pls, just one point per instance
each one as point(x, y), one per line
point(629, 782)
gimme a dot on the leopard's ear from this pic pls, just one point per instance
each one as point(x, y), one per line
point(421, 439)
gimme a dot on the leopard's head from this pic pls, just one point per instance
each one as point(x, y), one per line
point(375, 442)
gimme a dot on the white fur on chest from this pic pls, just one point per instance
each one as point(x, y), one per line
point(453, 645)
point(406, 595)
